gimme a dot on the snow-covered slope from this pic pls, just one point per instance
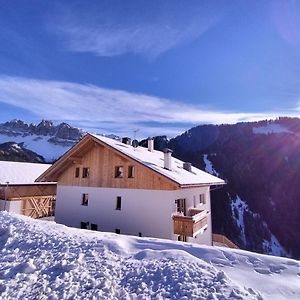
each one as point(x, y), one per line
point(271, 128)
point(38, 144)
point(271, 245)
point(45, 138)
point(44, 260)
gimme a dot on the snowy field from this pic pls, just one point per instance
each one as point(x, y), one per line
point(44, 260)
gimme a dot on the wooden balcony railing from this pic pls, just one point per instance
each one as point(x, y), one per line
point(189, 225)
point(221, 240)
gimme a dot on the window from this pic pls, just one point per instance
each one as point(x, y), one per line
point(94, 227)
point(140, 234)
point(182, 238)
point(85, 199)
point(119, 203)
point(84, 225)
point(202, 198)
point(131, 172)
point(119, 172)
point(180, 206)
point(77, 170)
point(118, 231)
point(85, 172)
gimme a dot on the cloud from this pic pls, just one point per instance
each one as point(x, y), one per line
point(145, 29)
point(113, 111)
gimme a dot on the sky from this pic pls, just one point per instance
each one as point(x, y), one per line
point(159, 67)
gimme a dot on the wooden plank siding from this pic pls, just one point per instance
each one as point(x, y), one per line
point(15, 192)
point(101, 161)
point(37, 200)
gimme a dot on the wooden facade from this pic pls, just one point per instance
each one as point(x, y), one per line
point(101, 161)
point(37, 200)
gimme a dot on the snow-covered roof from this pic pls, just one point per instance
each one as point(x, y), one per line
point(20, 172)
point(155, 161)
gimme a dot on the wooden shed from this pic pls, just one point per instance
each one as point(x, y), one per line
point(19, 193)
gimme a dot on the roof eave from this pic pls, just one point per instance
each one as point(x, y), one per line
point(188, 185)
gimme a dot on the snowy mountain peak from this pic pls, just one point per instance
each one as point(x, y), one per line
point(46, 138)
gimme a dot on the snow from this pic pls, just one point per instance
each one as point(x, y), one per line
point(272, 246)
point(155, 161)
point(240, 206)
point(20, 172)
point(270, 128)
point(45, 260)
point(209, 167)
point(38, 144)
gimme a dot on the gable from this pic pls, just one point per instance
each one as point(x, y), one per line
point(101, 161)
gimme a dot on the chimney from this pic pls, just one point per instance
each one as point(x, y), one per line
point(187, 166)
point(126, 140)
point(150, 144)
point(168, 159)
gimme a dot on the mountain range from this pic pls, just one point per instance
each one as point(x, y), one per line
point(48, 140)
point(258, 209)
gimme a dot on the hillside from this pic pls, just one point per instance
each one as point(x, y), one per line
point(259, 208)
point(44, 260)
point(16, 152)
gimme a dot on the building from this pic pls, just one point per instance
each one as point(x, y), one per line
point(104, 184)
point(19, 193)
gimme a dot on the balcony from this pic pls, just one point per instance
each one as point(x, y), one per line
point(190, 225)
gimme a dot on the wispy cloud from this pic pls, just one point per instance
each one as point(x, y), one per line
point(113, 111)
point(147, 30)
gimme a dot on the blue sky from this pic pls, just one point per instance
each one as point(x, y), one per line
point(157, 66)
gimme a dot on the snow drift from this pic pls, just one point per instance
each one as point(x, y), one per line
point(44, 260)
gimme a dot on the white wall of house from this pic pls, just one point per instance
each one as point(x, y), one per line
point(148, 212)
point(11, 206)
point(192, 198)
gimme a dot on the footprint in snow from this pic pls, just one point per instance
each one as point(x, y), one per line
point(221, 262)
point(230, 256)
point(277, 268)
point(262, 271)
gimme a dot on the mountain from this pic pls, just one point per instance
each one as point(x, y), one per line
point(259, 208)
point(44, 260)
point(16, 152)
point(45, 138)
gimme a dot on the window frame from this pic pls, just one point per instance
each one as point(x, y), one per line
point(118, 203)
point(85, 172)
point(86, 225)
point(94, 227)
point(119, 171)
point(85, 199)
point(77, 172)
point(131, 171)
point(202, 199)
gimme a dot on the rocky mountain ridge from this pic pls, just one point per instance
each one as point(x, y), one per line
point(61, 134)
point(45, 138)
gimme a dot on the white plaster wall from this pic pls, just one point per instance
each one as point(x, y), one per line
point(146, 211)
point(11, 206)
point(189, 195)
